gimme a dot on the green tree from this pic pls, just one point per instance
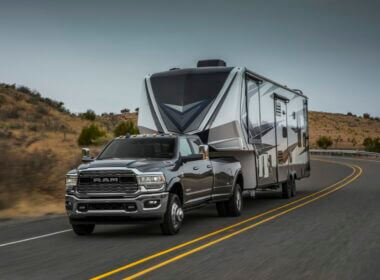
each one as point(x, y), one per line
point(372, 145)
point(89, 135)
point(324, 142)
point(125, 127)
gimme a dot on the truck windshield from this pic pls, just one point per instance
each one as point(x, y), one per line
point(140, 148)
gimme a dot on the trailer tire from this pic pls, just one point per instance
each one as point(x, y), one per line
point(173, 217)
point(287, 188)
point(294, 188)
point(235, 203)
point(83, 229)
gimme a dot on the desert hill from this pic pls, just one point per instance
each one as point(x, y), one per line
point(38, 145)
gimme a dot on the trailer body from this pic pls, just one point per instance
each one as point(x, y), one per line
point(238, 113)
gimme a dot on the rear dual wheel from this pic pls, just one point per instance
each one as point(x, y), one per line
point(233, 206)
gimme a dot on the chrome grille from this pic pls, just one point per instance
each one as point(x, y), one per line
point(107, 181)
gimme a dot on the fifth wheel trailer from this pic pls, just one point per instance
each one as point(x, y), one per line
point(238, 113)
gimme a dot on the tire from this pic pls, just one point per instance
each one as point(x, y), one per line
point(173, 217)
point(294, 188)
point(221, 208)
point(235, 203)
point(83, 229)
point(287, 188)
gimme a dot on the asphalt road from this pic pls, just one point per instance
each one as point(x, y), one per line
point(330, 230)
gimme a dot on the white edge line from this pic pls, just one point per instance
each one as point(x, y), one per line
point(33, 238)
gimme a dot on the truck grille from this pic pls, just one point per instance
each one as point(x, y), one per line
point(107, 181)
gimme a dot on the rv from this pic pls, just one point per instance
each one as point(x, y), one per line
point(238, 113)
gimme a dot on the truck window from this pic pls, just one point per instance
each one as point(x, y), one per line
point(184, 147)
point(195, 143)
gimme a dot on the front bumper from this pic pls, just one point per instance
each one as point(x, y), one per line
point(101, 210)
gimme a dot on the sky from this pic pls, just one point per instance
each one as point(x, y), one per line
point(95, 54)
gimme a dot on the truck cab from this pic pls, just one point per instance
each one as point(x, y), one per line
point(147, 178)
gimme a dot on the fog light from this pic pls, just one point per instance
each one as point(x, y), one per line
point(152, 203)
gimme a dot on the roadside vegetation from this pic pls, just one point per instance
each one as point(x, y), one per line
point(372, 144)
point(125, 127)
point(324, 142)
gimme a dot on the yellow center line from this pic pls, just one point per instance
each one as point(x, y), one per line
point(182, 245)
point(183, 255)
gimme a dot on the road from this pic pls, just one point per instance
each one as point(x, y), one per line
point(330, 230)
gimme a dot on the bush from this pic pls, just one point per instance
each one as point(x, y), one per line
point(89, 135)
point(366, 116)
point(41, 109)
point(324, 142)
point(125, 127)
point(372, 145)
point(88, 115)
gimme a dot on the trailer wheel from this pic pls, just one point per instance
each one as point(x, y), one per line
point(173, 217)
point(287, 188)
point(83, 229)
point(294, 188)
point(235, 203)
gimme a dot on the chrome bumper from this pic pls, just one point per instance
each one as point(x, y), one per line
point(141, 211)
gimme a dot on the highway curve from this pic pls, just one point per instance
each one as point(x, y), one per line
point(330, 230)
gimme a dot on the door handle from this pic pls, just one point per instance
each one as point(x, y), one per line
point(208, 165)
point(195, 168)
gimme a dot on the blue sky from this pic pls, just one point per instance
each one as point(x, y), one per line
point(95, 54)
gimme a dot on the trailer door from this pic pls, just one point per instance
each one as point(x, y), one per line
point(281, 132)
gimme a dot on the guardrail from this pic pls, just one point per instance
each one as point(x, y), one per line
point(350, 153)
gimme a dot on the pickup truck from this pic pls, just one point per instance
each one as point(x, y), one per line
point(144, 178)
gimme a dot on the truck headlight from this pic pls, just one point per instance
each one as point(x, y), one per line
point(71, 182)
point(151, 181)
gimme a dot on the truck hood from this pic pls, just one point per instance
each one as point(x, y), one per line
point(143, 165)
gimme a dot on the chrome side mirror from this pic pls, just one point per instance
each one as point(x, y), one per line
point(204, 150)
point(86, 155)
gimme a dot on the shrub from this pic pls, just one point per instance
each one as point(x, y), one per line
point(324, 142)
point(125, 127)
point(41, 109)
point(372, 145)
point(89, 135)
point(366, 116)
point(88, 115)
point(24, 89)
point(349, 114)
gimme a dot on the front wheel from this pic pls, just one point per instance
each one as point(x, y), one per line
point(173, 217)
point(83, 229)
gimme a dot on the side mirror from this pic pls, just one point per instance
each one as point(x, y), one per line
point(205, 151)
point(86, 155)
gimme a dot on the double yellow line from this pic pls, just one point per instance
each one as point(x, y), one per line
point(356, 172)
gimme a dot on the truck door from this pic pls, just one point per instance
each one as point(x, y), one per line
point(201, 188)
point(281, 132)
